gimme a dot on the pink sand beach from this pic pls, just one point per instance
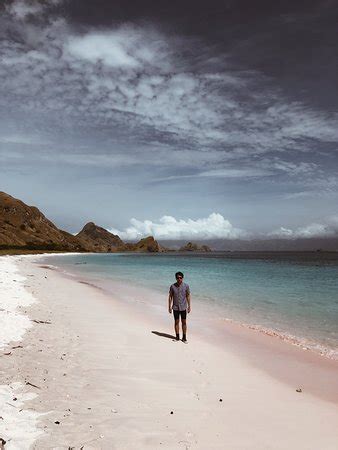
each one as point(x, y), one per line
point(82, 369)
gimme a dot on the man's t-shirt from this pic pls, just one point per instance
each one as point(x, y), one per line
point(179, 294)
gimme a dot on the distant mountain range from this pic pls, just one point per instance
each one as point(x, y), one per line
point(263, 245)
point(25, 227)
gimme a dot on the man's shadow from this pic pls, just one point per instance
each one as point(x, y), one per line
point(165, 335)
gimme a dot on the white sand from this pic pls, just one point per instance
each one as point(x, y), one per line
point(112, 383)
point(13, 297)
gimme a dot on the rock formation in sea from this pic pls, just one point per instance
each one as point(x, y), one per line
point(192, 247)
point(148, 244)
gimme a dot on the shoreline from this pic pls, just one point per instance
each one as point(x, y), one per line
point(255, 345)
point(96, 347)
point(310, 344)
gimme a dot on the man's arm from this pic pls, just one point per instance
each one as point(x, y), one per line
point(170, 301)
point(189, 301)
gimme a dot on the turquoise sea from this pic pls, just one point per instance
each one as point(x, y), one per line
point(294, 295)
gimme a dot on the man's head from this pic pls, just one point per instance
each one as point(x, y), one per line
point(179, 277)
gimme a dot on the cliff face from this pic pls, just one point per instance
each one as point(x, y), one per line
point(25, 226)
point(97, 239)
point(192, 247)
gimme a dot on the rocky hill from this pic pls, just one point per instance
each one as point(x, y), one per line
point(148, 244)
point(25, 226)
point(192, 247)
point(98, 239)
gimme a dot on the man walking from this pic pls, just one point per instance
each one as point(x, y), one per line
point(179, 303)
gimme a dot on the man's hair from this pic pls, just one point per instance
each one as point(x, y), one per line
point(179, 274)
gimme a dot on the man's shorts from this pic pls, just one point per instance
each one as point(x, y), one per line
point(177, 314)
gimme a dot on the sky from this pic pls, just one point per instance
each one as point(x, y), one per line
point(184, 119)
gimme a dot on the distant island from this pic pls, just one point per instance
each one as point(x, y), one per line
point(192, 247)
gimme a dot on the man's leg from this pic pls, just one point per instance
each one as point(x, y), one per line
point(184, 325)
point(177, 329)
point(177, 324)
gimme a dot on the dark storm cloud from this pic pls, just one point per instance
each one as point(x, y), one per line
point(227, 93)
point(292, 41)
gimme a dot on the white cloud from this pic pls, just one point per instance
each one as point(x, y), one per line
point(143, 77)
point(226, 172)
point(215, 226)
point(168, 227)
point(289, 167)
point(108, 48)
point(242, 172)
point(222, 123)
point(328, 229)
point(21, 9)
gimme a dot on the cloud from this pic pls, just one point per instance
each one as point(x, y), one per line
point(215, 226)
point(168, 227)
point(22, 9)
point(292, 168)
point(107, 48)
point(152, 93)
point(226, 172)
point(328, 229)
point(146, 80)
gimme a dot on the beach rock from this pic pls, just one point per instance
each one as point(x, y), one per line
point(220, 399)
point(298, 390)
